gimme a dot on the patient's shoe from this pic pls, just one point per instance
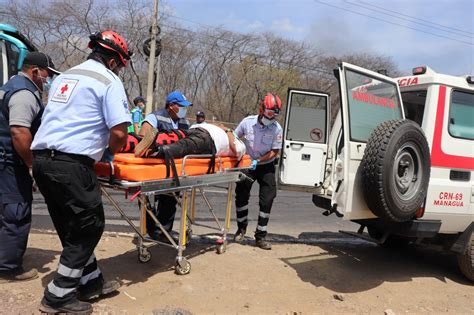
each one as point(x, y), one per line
point(145, 146)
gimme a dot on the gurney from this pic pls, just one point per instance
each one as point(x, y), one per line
point(145, 178)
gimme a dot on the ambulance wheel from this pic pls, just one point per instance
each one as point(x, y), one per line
point(396, 170)
point(182, 267)
point(466, 260)
point(144, 256)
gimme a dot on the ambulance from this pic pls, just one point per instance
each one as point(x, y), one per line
point(398, 160)
point(13, 48)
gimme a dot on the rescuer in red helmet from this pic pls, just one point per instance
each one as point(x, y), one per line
point(262, 136)
point(85, 121)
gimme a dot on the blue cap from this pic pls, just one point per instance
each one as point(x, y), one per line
point(178, 98)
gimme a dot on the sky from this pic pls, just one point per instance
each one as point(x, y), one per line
point(436, 33)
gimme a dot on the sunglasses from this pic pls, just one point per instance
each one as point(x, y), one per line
point(270, 114)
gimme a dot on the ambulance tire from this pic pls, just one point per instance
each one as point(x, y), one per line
point(466, 260)
point(396, 170)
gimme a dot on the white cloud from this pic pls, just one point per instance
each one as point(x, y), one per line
point(255, 25)
point(285, 25)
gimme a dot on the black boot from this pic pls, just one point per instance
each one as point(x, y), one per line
point(97, 289)
point(73, 307)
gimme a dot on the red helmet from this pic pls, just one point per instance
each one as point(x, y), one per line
point(270, 106)
point(111, 41)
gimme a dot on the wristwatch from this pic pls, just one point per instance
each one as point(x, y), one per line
point(229, 130)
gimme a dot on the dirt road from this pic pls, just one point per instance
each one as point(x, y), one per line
point(337, 276)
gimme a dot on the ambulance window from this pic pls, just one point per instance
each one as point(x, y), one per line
point(371, 101)
point(307, 118)
point(461, 115)
point(13, 54)
point(414, 105)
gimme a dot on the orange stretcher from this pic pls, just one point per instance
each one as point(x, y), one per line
point(128, 167)
point(144, 178)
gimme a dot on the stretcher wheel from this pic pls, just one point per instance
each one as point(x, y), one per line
point(144, 256)
point(220, 246)
point(183, 267)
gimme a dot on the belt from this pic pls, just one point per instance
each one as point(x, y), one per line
point(61, 156)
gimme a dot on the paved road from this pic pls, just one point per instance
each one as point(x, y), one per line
point(293, 215)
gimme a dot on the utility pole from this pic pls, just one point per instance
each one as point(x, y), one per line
point(151, 64)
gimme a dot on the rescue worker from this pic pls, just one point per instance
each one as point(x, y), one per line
point(20, 113)
point(173, 116)
point(200, 117)
point(86, 118)
point(262, 136)
point(137, 115)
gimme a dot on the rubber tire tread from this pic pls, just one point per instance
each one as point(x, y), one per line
point(466, 260)
point(379, 155)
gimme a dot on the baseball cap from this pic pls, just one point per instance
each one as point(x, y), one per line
point(178, 98)
point(200, 114)
point(39, 59)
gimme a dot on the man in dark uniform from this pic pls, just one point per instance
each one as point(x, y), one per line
point(173, 116)
point(85, 121)
point(20, 114)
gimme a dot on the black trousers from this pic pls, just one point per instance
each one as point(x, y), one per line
point(265, 176)
point(15, 215)
point(72, 194)
point(197, 141)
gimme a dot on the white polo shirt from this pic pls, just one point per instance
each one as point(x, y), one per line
point(84, 103)
point(221, 140)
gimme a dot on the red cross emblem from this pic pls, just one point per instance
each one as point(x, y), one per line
point(64, 89)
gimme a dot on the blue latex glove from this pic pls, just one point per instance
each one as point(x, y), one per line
point(108, 156)
point(254, 165)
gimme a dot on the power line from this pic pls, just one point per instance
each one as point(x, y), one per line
point(393, 23)
point(419, 19)
point(368, 7)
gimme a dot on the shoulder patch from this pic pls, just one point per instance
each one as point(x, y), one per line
point(64, 90)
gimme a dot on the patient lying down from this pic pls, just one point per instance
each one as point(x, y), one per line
point(200, 139)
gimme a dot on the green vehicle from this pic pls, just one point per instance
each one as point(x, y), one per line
point(13, 47)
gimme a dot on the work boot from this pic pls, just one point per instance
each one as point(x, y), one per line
point(145, 146)
point(73, 307)
point(18, 275)
point(263, 244)
point(97, 289)
point(239, 235)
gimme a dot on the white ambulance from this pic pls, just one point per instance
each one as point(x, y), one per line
point(398, 160)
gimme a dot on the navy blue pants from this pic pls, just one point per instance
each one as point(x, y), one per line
point(15, 224)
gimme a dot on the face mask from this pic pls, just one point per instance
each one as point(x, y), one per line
point(47, 85)
point(182, 112)
point(265, 121)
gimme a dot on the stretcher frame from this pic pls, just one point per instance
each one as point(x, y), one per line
point(188, 188)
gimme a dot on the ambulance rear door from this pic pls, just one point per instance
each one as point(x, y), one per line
point(305, 138)
point(368, 98)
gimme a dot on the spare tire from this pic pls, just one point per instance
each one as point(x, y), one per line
point(396, 170)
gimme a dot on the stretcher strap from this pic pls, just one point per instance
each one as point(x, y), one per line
point(212, 162)
point(169, 161)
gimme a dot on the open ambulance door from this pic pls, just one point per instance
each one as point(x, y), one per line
point(305, 137)
point(368, 98)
